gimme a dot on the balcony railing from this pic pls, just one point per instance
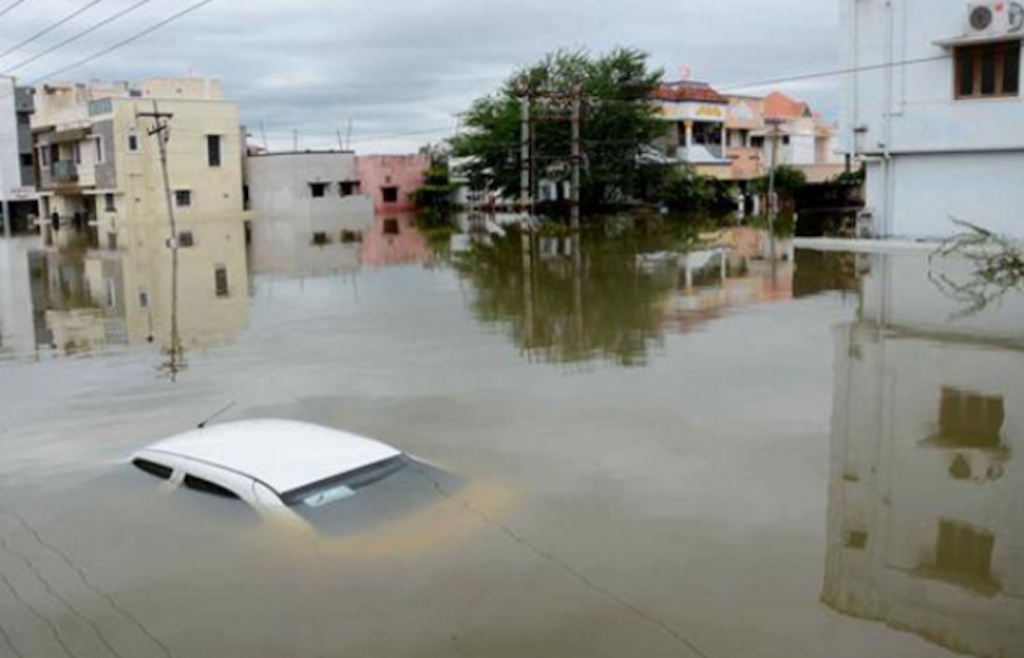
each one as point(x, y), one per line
point(64, 171)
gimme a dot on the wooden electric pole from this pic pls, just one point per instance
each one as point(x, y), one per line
point(161, 130)
point(773, 198)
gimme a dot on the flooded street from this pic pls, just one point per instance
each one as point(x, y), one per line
point(660, 451)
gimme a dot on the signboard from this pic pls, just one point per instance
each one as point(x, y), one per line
point(689, 111)
point(21, 194)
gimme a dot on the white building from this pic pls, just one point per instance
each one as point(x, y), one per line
point(935, 110)
point(17, 170)
point(311, 210)
point(925, 531)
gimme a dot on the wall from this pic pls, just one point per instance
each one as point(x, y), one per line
point(910, 110)
point(288, 214)
point(404, 171)
point(10, 168)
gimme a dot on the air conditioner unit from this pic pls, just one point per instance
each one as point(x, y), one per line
point(994, 19)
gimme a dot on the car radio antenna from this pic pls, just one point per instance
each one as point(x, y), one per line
point(203, 424)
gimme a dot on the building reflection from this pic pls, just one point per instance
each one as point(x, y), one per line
point(925, 531)
point(84, 299)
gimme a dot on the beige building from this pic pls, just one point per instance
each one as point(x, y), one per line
point(102, 187)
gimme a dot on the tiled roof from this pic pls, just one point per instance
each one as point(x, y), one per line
point(780, 106)
point(685, 90)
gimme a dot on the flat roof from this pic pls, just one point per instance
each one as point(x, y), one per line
point(283, 454)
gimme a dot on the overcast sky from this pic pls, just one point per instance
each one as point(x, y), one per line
point(401, 70)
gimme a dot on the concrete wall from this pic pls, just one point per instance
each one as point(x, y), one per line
point(406, 172)
point(906, 111)
point(10, 168)
point(289, 216)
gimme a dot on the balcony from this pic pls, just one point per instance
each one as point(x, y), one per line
point(63, 172)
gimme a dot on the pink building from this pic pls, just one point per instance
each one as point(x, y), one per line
point(395, 241)
point(391, 180)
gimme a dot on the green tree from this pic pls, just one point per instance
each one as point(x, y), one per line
point(619, 123)
point(434, 197)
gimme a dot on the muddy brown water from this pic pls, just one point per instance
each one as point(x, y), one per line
point(658, 455)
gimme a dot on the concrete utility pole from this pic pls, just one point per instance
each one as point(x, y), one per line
point(161, 130)
point(773, 199)
point(577, 158)
point(525, 154)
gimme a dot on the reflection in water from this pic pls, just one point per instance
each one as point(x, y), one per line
point(924, 525)
point(86, 299)
point(570, 300)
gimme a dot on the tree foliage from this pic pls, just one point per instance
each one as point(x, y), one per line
point(618, 123)
point(434, 197)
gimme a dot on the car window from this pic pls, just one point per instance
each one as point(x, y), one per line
point(205, 486)
point(154, 469)
point(344, 485)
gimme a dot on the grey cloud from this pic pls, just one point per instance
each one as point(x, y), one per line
point(404, 66)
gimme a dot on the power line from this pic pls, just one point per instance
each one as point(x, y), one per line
point(4, 12)
point(833, 73)
point(75, 37)
point(124, 42)
point(51, 28)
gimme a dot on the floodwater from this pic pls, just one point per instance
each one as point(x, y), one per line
point(658, 452)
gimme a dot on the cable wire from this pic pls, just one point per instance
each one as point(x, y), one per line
point(124, 42)
point(51, 28)
point(833, 73)
point(6, 10)
point(75, 37)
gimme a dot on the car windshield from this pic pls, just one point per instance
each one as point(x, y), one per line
point(342, 486)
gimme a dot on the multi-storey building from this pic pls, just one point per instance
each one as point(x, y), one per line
point(17, 170)
point(732, 138)
point(934, 109)
point(102, 184)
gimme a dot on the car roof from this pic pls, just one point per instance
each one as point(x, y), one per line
point(282, 454)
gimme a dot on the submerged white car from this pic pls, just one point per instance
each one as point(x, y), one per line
point(284, 468)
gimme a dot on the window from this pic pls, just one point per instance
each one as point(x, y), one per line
point(111, 293)
point(856, 540)
point(26, 159)
point(154, 469)
point(318, 189)
point(183, 198)
point(969, 420)
point(213, 150)
point(390, 194)
point(205, 486)
point(185, 239)
point(44, 156)
point(342, 486)
point(112, 241)
point(988, 70)
point(348, 187)
point(350, 237)
point(320, 238)
point(220, 280)
point(143, 299)
point(100, 151)
point(76, 152)
point(757, 142)
point(108, 203)
point(390, 227)
point(133, 143)
point(964, 550)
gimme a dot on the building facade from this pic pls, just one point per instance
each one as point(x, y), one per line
point(391, 180)
point(102, 186)
point(17, 169)
point(934, 110)
point(306, 204)
point(731, 138)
